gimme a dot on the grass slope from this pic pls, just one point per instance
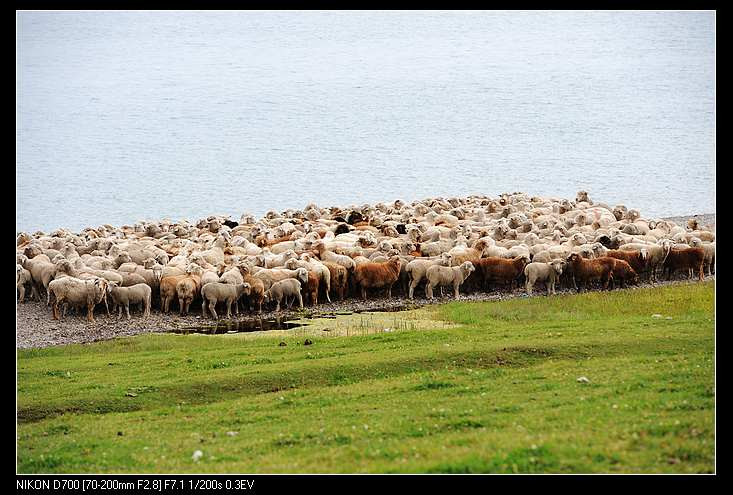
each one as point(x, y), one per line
point(498, 393)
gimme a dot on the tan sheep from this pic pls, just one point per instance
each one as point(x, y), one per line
point(213, 292)
point(285, 289)
point(438, 275)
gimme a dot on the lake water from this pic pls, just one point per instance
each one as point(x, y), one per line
point(145, 115)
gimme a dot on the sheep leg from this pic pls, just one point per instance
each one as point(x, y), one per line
point(56, 310)
point(34, 292)
point(203, 308)
point(127, 310)
point(212, 308)
point(411, 290)
point(229, 308)
point(278, 305)
point(300, 300)
point(608, 278)
point(455, 290)
point(21, 289)
point(363, 293)
point(428, 290)
point(90, 312)
point(389, 292)
point(119, 308)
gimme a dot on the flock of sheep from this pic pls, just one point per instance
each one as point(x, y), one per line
point(314, 254)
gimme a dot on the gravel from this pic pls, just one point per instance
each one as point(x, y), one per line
point(35, 328)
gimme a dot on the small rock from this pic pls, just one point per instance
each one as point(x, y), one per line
point(308, 342)
point(282, 344)
point(119, 433)
point(656, 315)
point(197, 455)
point(131, 394)
point(583, 379)
point(232, 433)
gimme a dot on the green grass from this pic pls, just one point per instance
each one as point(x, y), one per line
point(497, 393)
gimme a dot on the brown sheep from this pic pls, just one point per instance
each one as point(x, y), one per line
point(690, 259)
point(168, 290)
point(187, 290)
point(256, 294)
point(339, 278)
point(585, 271)
point(500, 270)
point(624, 272)
point(637, 259)
point(376, 275)
point(310, 288)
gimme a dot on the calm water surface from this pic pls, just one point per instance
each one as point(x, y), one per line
point(130, 116)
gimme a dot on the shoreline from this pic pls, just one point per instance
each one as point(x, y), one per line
point(36, 329)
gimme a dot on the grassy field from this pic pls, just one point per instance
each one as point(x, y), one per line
point(496, 393)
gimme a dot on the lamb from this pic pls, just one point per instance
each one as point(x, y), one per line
point(284, 289)
point(548, 273)
point(584, 271)
point(439, 275)
point(70, 290)
point(417, 269)
point(376, 275)
point(135, 294)
point(213, 292)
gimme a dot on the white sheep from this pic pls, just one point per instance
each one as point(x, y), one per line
point(548, 273)
point(135, 294)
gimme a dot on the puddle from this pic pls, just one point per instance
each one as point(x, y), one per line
point(263, 324)
point(234, 326)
